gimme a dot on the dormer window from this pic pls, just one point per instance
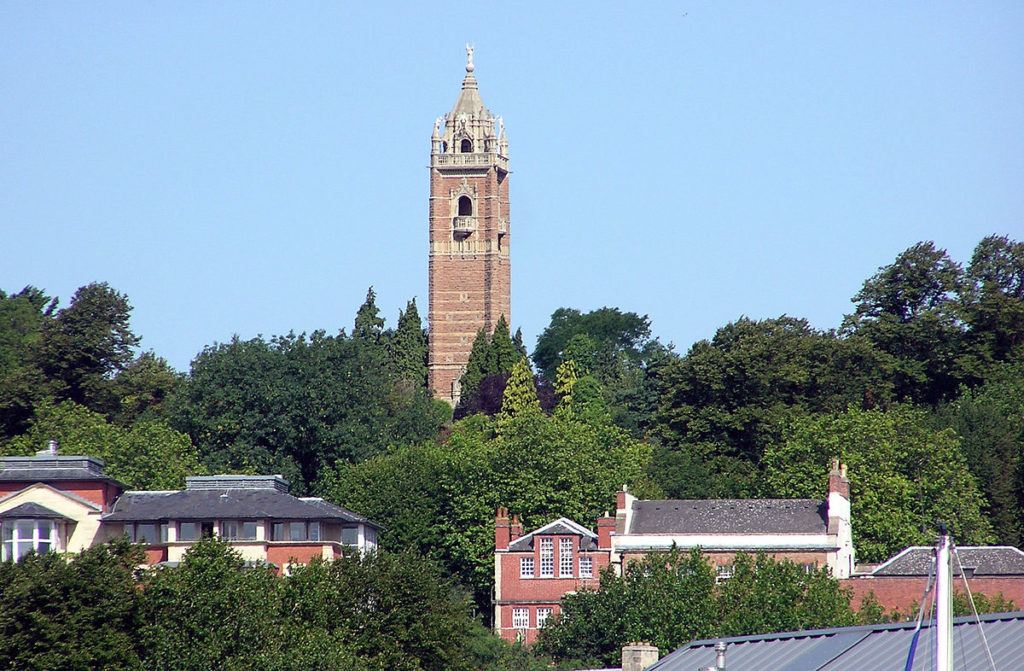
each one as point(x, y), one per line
point(466, 146)
point(465, 206)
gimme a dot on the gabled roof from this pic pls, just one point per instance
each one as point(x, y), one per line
point(71, 496)
point(33, 510)
point(563, 526)
point(227, 503)
point(984, 560)
point(730, 516)
point(865, 648)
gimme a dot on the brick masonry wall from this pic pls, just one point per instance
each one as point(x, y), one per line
point(469, 279)
point(904, 593)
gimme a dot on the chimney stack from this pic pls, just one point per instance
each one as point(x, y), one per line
point(516, 529)
point(50, 451)
point(638, 656)
point(502, 529)
point(605, 529)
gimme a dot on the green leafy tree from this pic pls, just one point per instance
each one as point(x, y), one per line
point(520, 394)
point(57, 615)
point(210, 612)
point(369, 325)
point(719, 403)
point(296, 404)
point(992, 304)
point(147, 455)
point(904, 476)
point(908, 310)
point(671, 598)
point(22, 381)
point(441, 497)
point(143, 388)
point(396, 610)
point(990, 423)
point(86, 344)
point(611, 331)
point(408, 347)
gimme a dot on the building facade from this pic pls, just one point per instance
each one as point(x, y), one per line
point(533, 571)
point(51, 503)
point(469, 262)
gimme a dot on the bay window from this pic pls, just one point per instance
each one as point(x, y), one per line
point(21, 536)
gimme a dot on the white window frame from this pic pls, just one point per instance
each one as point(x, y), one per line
point(722, 573)
point(566, 558)
point(527, 566)
point(10, 548)
point(520, 618)
point(542, 616)
point(586, 566)
point(547, 557)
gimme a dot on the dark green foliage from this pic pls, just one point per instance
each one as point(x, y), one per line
point(71, 616)
point(408, 347)
point(209, 613)
point(143, 388)
point(369, 325)
point(491, 359)
point(671, 598)
point(611, 332)
point(22, 382)
point(86, 344)
point(908, 310)
point(992, 305)
point(990, 422)
point(294, 405)
point(719, 403)
point(396, 610)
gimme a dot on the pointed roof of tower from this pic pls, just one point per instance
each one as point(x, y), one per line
point(469, 101)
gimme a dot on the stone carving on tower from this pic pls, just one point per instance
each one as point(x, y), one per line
point(469, 265)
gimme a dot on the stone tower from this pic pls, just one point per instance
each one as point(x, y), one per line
point(470, 278)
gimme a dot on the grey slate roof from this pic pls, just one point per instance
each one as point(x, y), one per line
point(563, 526)
point(984, 560)
point(50, 467)
point(33, 510)
point(730, 516)
point(226, 503)
point(865, 648)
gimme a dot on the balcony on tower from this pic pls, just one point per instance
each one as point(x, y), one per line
point(463, 226)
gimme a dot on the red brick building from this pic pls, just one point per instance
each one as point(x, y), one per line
point(899, 584)
point(532, 572)
point(469, 266)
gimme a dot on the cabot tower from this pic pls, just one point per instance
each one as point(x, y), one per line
point(470, 278)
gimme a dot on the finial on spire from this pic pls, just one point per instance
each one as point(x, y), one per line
point(469, 57)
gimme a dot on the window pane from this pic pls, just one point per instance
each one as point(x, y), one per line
point(520, 618)
point(565, 562)
point(229, 529)
point(8, 531)
point(526, 567)
point(279, 531)
point(297, 531)
point(8, 551)
point(350, 536)
point(542, 616)
point(42, 547)
point(314, 531)
point(586, 567)
point(547, 558)
point(249, 531)
point(22, 548)
point(146, 533)
point(44, 527)
point(188, 531)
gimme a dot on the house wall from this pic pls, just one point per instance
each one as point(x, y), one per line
point(904, 593)
point(513, 591)
point(77, 536)
point(98, 492)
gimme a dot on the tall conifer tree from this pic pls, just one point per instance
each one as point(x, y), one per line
point(408, 347)
point(369, 324)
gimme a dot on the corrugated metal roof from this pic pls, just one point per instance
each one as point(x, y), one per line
point(868, 648)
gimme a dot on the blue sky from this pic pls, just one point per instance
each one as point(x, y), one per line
point(251, 168)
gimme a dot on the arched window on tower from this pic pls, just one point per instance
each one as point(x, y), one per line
point(465, 207)
point(466, 147)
